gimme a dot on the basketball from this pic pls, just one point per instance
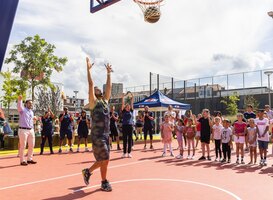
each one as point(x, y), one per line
point(152, 14)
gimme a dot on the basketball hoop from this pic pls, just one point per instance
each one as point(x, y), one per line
point(150, 9)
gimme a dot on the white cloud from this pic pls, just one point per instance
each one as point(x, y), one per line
point(182, 44)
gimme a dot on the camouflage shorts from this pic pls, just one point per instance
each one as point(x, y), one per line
point(101, 149)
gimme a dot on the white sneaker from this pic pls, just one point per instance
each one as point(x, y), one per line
point(192, 158)
point(164, 154)
point(129, 155)
point(179, 157)
point(265, 162)
point(123, 155)
point(188, 157)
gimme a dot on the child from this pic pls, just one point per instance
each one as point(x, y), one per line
point(179, 129)
point(239, 131)
point(263, 135)
point(216, 135)
point(226, 139)
point(205, 131)
point(166, 134)
point(190, 133)
point(252, 140)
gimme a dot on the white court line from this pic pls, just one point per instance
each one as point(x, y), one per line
point(171, 180)
point(66, 176)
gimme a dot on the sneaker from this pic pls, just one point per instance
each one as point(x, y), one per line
point(172, 155)
point(179, 156)
point(24, 163)
point(223, 161)
point(151, 147)
point(192, 158)
point(216, 160)
point(242, 162)
point(228, 161)
point(261, 162)
point(105, 186)
point(60, 150)
point(78, 150)
point(86, 176)
point(41, 153)
point(70, 149)
point(237, 161)
point(164, 154)
point(129, 155)
point(188, 157)
point(265, 162)
point(208, 158)
point(145, 146)
point(123, 155)
point(86, 149)
point(202, 158)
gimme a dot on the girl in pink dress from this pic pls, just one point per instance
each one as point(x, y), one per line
point(166, 134)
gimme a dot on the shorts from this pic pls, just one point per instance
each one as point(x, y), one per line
point(100, 146)
point(253, 145)
point(205, 138)
point(113, 131)
point(263, 144)
point(67, 133)
point(198, 134)
point(240, 139)
point(83, 134)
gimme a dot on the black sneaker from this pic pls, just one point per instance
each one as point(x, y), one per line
point(151, 147)
point(208, 158)
point(202, 158)
point(86, 175)
point(60, 151)
point(228, 161)
point(223, 161)
point(105, 186)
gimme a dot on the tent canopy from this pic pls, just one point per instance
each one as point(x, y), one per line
point(159, 102)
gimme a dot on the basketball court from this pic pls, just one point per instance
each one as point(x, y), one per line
point(147, 175)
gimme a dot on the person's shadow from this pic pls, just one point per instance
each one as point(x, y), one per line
point(75, 195)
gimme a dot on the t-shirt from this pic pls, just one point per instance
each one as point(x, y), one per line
point(239, 128)
point(205, 126)
point(226, 134)
point(82, 127)
point(217, 131)
point(66, 123)
point(261, 125)
point(47, 125)
point(127, 117)
point(147, 122)
point(248, 115)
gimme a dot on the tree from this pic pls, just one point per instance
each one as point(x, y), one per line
point(231, 103)
point(249, 99)
point(48, 97)
point(34, 58)
point(12, 88)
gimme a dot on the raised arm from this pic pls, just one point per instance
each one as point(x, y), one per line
point(51, 113)
point(132, 102)
point(20, 106)
point(92, 97)
point(122, 102)
point(108, 82)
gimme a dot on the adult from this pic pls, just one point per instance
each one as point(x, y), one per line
point(148, 126)
point(205, 132)
point(170, 112)
point(26, 131)
point(139, 125)
point(66, 121)
point(47, 130)
point(268, 111)
point(127, 126)
point(99, 107)
point(83, 129)
point(248, 115)
point(114, 127)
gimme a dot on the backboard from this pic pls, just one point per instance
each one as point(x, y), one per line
point(96, 5)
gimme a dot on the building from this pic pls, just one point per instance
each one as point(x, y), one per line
point(117, 89)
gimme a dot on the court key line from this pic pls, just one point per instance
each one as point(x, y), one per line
point(66, 176)
point(161, 179)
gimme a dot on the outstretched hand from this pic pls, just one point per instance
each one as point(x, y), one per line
point(108, 68)
point(89, 65)
point(20, 97)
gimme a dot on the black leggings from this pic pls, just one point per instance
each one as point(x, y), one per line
point(146, 131)
point(218, 148)
point(2, 140)
point(44, 137)
point(127, 136)
point(226, 150)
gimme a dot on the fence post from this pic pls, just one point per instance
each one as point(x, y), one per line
point(150, 83)
point(184, 90)
point(172, 88)
point(157, 81)
point(195, 99)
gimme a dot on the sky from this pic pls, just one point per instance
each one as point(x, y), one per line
point(192, 39)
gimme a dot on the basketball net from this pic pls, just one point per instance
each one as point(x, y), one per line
point(145, 4)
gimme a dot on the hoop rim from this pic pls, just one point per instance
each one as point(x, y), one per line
point(148, 3)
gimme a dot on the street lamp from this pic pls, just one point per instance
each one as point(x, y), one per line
point(75, 103)
point(268, 73)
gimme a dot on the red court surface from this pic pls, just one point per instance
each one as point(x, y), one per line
point(145, 176)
